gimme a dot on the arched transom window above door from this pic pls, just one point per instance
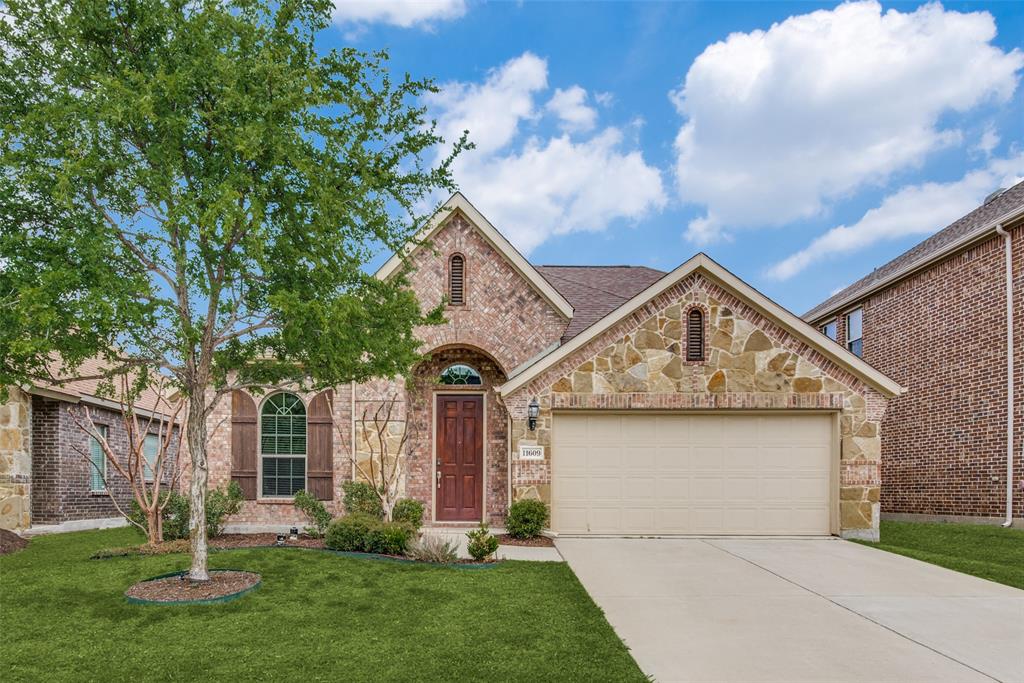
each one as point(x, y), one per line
point(460, 374)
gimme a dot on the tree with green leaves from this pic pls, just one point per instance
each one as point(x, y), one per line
point(192, 188)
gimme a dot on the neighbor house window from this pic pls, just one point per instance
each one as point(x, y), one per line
point(97, 461)
point(854, 331)
point(460, 374)
point(283, 445)
point(457, 280)
point(829, 330)
point(150, 448)
point(695, 335)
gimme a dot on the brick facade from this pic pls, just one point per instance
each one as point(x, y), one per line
point(61, 475)
point(941, 333)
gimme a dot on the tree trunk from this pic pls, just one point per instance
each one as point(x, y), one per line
point(153, 524)
point(196, 433)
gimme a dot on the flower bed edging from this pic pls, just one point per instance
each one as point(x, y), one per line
point(202, 601)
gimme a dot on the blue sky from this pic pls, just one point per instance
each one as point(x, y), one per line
point(799, 144)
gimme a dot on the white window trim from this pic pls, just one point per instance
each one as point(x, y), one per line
point(824, 326)
point(259, 448)
point(860, 338)
point(92, 467)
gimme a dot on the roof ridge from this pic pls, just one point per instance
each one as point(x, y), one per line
point(578, 265)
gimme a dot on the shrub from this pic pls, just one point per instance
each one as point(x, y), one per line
point(481, 543)
point(434, 548)
point(410, 511)
point(390, 538)
point(359, 497)
point(220, 504)
point(315, 510)
point(351, 532)
point(527, 518)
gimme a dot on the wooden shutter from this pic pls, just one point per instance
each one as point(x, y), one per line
point(320, 446)
point(243, 443)
point(695, 335)
point(457, 280)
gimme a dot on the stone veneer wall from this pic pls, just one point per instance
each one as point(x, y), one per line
point(751, 363)
point(15, 461)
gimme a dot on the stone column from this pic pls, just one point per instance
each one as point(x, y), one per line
point(15, 461)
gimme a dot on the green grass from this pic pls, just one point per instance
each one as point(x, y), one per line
point(990, 552)
point(317, 617)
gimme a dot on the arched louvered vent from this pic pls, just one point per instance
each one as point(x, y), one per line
point(695, 335)
point(457, 280)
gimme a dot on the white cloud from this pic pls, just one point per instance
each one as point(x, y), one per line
point(778, 123)
point(570, 105)
point(403, 13)
point(988, 142)
point(913, 210)
point(534, 186)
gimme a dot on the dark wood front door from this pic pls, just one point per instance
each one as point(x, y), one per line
point(460, 458)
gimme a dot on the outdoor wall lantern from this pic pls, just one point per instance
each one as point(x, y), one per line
point(532, 411)
point(293, 533)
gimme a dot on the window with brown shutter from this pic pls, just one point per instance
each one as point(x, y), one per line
point(695, 335)
point(457, 280)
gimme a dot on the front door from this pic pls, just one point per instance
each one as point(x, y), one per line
point(460, 458)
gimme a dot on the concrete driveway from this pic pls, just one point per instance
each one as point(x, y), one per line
point(798, 610)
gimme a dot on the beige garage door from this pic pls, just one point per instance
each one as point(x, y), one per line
point(691, 474)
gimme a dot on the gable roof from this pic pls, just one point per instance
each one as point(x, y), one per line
point(703, 264)
point(596, 291)
point(150, 401)
point(458, 202)
point(978, 224)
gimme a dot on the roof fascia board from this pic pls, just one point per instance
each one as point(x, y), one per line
point(494, 238)
point(800, 328)
point(964, 242)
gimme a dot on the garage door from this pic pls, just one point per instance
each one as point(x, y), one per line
point(691, 474)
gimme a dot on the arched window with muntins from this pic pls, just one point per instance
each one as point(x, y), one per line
point(460, 374)
point(695, 335)
point(283, 445)
point(457, 280)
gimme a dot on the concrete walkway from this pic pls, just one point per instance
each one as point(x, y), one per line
point(798, 610)
point(505, 552)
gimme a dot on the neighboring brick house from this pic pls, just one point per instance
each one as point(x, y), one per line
point(53, 474)
point(635, 402)
point(935, 320)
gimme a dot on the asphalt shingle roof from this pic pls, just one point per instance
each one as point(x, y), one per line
point(1005, 203)
point(596, 291)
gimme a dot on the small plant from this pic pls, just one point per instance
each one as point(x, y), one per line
point(359, 497)
point(410, 511)
point(390, 538)
point(351, 532)
point(221, 504)
point(434, 548)
point(481, 543)
point(527, 518)
point(315, 510)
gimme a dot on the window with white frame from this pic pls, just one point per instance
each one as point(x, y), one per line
point(97, 461)
point(283, 445)
point(150, 449)
point(855, 331)
point(829, 330)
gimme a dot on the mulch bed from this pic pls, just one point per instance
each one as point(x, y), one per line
point(179, 588)
point(11, 542)
point(253, 540)
point(538, 542)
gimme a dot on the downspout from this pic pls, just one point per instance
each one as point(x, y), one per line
point(1008, 249)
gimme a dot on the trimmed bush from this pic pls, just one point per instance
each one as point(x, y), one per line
point(359, 497)
point(315, 510)
point(351, 532)
point(390, 538)
point(434, 548)
point(481, 543)
point(527, 518)
point(410, 511)
point(220, 504)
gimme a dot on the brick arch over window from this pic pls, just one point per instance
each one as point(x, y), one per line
point(457, 279)
point(695, 341)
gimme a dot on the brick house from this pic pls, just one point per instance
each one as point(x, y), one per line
point(631, 400)
point(936, 320)
point(52, 474)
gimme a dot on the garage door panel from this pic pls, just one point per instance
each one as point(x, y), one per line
point(691, 474)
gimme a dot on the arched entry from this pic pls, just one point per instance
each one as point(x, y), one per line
point(458, 442)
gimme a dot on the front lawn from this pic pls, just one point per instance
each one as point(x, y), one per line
point(990, 552)
point(317, 616)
